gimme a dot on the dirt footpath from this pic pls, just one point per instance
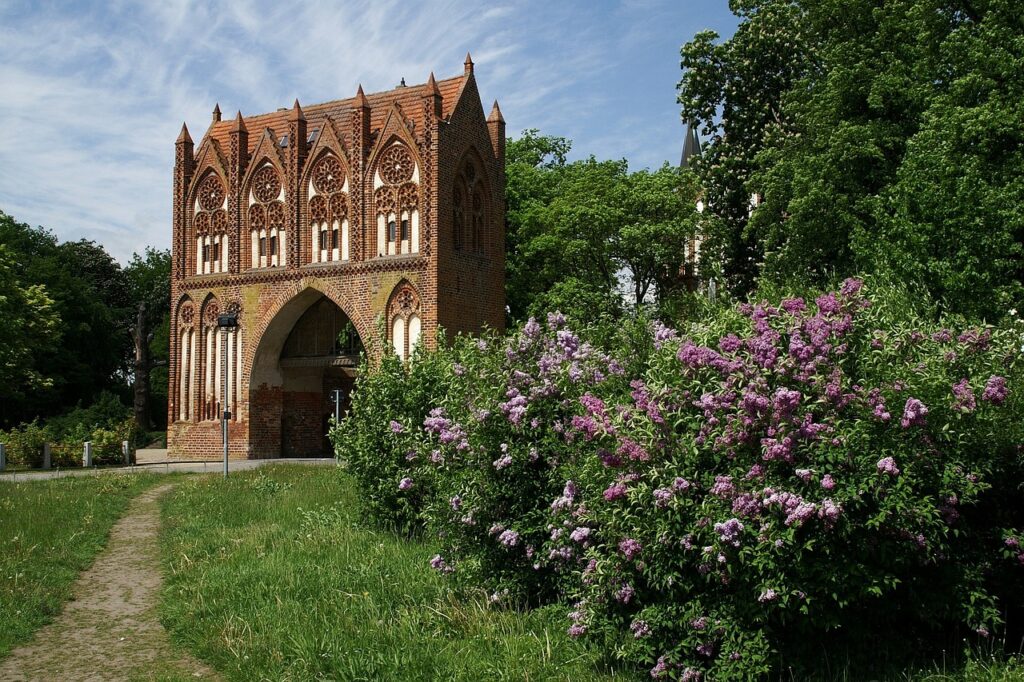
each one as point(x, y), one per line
point(110, 630)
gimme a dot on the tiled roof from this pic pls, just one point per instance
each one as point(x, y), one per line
point(409, 98)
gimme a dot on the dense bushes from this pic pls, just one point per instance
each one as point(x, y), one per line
point(106, 424)
point(828, 472)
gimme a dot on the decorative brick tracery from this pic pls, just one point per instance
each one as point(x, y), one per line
point(391, 157)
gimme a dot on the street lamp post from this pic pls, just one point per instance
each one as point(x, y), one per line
point(224, 323)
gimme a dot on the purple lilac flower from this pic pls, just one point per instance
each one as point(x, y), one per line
point(396, 427)
point(456, 503)
point(913, 413)
point(660, 668)
point(509, 538)
point(729, 531)
point(793, 306)
point(851, 286)
point(746, 505)
point(580, 534)
point(691, 675)
point(640, 629)
point(630, 547)
point(827, 482)
point(995, 390)
point(706, 649)
point(768, 596)
point(405, 483)
point(632, 450)
point(577, 629)
point(615, 492)
point(829, 511)
point(436, 457)
point(410, 456)
point(723, 487)
point(625, 594)
point(662, 496)
point(965, 401)
point(439, 564)
point(502, 462)
point(887, 465)
point(662, 334)
point(567, 498)
point(680, 485)
point(804, 474)
point(730, 343)
point(532, 328)
point(700, 624)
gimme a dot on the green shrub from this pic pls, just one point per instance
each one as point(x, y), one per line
point(774, 479)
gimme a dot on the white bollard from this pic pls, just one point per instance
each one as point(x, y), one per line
point(46, 455)
point(126, 451)
point(87, 455)
point(3, 456)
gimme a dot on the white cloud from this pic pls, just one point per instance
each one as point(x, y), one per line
point(92, 101)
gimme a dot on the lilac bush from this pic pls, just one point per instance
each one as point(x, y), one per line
point(708, 499)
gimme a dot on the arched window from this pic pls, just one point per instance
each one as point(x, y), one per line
point(406, 323)
point(328, 211)
point(396, 202)
point(210, 225)
point(267, 232)
point(469, 210)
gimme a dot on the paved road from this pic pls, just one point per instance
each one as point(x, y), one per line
point(212, 466)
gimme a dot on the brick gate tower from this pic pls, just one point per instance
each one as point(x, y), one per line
point(379, 217)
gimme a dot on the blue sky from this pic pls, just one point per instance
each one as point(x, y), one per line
point(92, 95)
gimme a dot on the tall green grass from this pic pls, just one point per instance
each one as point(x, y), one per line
point(50, 531)
point(271, 576)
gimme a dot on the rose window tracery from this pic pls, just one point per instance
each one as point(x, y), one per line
point(187, 313)
point(266, 184)
point(210, 227)
point(328, 175)
point(211, 193)
point(396, 165)
point(328, 211)
point(212, 311)
point(267, 224)
point(397, 203)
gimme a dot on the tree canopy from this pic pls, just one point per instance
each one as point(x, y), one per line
point(878, 136)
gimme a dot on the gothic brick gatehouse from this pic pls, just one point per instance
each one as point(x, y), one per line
point(375, 217)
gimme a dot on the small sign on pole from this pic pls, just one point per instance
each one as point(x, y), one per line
point(87, 455)
point(46, 455)
point(3, 456)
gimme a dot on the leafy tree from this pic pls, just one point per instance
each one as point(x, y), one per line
point(578, 232)
point(30, 324)
point(890, 139)
point(149, 279)
point(86, 352)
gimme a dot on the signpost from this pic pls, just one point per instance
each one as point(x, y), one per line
point(224, 323)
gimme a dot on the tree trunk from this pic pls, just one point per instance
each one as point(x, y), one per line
point(143, 363)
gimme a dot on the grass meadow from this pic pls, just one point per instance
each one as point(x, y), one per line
point(50, 531)
point(271, 576)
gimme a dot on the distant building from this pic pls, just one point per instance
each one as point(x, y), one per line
point(318, 227)
point(691, 150)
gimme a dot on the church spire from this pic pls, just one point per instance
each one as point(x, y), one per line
point(239, 126)
point(361, 98)
point(691, 145)
point(468, 64)
point(216, 113)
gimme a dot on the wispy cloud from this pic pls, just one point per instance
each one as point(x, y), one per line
point(93, 96)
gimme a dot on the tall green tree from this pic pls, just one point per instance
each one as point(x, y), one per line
point(86, 352)
point(893, 143)
point(149, 286)
point(30, 325)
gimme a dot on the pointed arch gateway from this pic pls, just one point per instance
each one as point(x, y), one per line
point(308, 349)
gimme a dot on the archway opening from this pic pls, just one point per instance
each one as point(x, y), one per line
point(306, 361)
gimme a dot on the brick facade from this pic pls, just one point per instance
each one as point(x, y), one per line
point(389, 205)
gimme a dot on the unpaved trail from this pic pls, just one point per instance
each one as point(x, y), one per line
point(110, 630)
